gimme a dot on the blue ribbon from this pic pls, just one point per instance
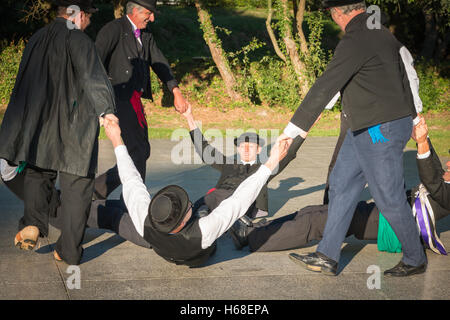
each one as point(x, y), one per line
point(376, 134)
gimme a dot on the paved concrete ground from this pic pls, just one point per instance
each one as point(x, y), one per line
point(116, 269)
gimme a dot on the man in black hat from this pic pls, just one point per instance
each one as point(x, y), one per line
point(233, 170)
point(128, 50)
point(167, 222)
point(368, 72)
point(51, 125)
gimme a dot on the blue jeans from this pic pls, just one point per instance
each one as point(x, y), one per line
point(360, 161)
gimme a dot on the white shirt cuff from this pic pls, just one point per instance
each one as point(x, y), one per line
point(7, 172)
point(423, 155)
point(292, 131)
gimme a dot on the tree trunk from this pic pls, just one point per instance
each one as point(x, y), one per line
point(431, 35)
point(217, 53)
point(442, 48)
point(299, 14)
point(119, 8)
point(291, 47)
point(271, 33)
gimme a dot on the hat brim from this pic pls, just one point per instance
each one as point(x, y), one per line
point(338, 3)
point(184, 199)
point(147, 6)
point(259, 141)
point(65, 3)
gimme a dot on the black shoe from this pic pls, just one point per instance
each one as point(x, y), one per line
point(239, 233)
point(316, 262)
point(260, 223)
point(246, 220)
point(404, 270)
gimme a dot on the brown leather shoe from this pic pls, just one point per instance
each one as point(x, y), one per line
point(56, 256)
point(26, 238)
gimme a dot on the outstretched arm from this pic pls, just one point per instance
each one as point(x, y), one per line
point(161, 67)
point(234, 207)
point(135, 194)
point(207, 153)
point(430, 169)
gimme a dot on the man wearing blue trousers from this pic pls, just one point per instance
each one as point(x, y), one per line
point(368, 72)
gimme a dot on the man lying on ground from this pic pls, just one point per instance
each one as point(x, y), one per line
point(166, 222)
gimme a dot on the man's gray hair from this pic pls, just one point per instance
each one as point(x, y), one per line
point(350, 7)
point(131, 5)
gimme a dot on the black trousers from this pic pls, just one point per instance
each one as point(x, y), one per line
point(113, 215)
point(298, 229)
point(135, 137)
point(103, 214)
point(41, 199)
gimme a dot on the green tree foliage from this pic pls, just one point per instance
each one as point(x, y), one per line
point(422, 25)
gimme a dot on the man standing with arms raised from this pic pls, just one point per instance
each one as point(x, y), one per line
point(128, 50)
point(367, 71)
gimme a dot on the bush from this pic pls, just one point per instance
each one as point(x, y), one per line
point(433, 88)
point(275, 85)
point(9, 66)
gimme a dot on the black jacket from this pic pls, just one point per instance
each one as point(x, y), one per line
point(61, 88)
point(368, 71)
point(431, 172)
point(128, 67)
point(232, 173)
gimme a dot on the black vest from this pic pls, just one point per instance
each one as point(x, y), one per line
point(232, 176)
point(183, 247)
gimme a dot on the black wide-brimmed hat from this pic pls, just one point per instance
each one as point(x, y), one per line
point(168, 208)
point(147, 4)
point(249, 137)
point(85, 5)
point(338, 3)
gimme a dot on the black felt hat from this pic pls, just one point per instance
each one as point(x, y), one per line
point(147, 4)
point(85, 5)
point(249, 137)
point(338, 3)
point(168, 208)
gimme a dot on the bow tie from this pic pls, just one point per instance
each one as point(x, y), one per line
point(137, 33)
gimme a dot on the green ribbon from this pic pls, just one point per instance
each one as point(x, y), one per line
point(21, 166)
point(387, 239)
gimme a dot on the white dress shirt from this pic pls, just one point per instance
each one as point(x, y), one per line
point(137, 199)
point(134, 29)
point(7, 172)
point(249, 162)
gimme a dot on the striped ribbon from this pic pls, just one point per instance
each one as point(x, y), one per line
point(423, 212)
